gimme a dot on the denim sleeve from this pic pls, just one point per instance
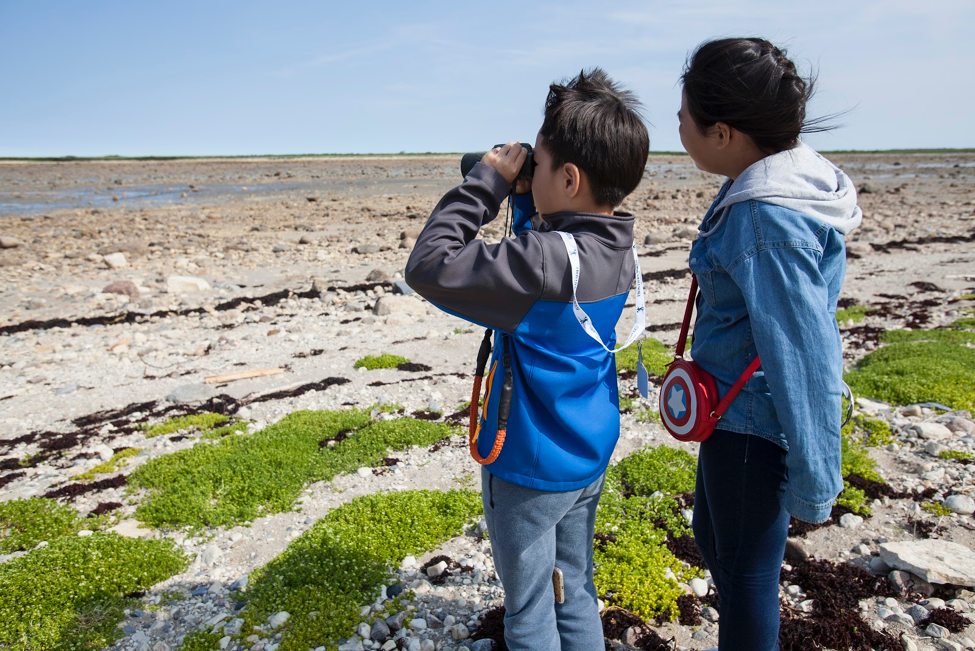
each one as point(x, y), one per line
point(797, 339)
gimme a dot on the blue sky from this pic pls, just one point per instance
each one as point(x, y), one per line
point(228, 78)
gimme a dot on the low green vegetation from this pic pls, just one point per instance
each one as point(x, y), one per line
point(853, 499)
point(204, 423)
point(632, 523)
point(327, 574)
point(956, 455)
point(856, 460)
point(936, 508)
point(70, 595)
point(913, 371)
point(854, 313)
point(24, 523)
point(965, 323)
point(386, 360)
point(656, 357)
point(201, 641)
point(871, 432)
point(239, 478)
point(946, 335)
point(647, 416)
point(117, 461)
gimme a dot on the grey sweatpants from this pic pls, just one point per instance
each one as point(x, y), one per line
point(532, 532)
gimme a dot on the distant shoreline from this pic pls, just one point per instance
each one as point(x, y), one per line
point(88, 159)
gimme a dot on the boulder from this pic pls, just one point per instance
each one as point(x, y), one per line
point(932, 431)
point(387, 305)
point(116, 261)
point(186, 284)
point(935, 561)
point(7, 242)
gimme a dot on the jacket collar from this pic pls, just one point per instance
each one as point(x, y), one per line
point(614, 230)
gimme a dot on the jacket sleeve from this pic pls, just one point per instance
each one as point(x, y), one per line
point(798, 342)
point(493, 285)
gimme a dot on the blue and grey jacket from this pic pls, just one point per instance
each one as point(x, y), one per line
point(770, 260)
point(564, 420)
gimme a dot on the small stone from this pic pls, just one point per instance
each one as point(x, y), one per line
point(124, 287)
point(960, 426)
point(418, 624)
point(937, 631)
point(908, 644)
point(686, 233)
point(656, 238)
point(795, 550)
point(710, 614)
point(210, 555)
point(850, 521)
point(85, 533)
point(363, 472)
point(395, 622)
point(699, 587)
point(400, 287)
point(483, 645)
point(459, 632)
point(437, 570)
point(280, 248)
point(380, 631)
point(912, 410)
point(917, 613)
point(186, 284)
point(233, 626)
point(878, 566)
point(115, 261)
point(934, 448)
point(395, 590)
point(377, 275)
point(7, 242)
point(277, 620)
point(935, 475)
point(862, 550)
point(240, 583)
point(191, 393)
point(806, 606)
point(366, 248)
point(905, 582)
point(961, 504)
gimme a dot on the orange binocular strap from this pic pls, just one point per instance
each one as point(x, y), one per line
point(504, 404)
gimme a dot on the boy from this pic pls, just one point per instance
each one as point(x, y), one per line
point(541, 491)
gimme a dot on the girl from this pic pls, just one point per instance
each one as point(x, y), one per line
point(770, 261)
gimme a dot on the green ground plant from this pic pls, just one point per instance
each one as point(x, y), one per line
point(70, 595)
point(201, 641)
point(936, 508)
point(855, 313)
point(908, 373)
point(853, 499)
point(647, 416)
point(956, 455)
point(872, 432)
point(964, 323)
point(328, 573)
point(24, 523)
point(386, 360)
point(117, 461)
point(656, 356)
point(632, 560)
point(204, 423)
point(856, 460)
point(948, 335)
point(239, 478)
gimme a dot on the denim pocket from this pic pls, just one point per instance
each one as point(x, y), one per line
point(703, 269)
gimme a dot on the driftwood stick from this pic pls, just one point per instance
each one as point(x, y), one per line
point(242, 375)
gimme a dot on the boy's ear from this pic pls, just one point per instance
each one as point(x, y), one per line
point(572, 180)
point(722, 135)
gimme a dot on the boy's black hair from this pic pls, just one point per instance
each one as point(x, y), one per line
point(752, 86)
point(593, 123)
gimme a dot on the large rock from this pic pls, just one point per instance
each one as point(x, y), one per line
point(932, 431)
point(387, 305)
point(7, 242)
point(116, 261)
point(186, 284)
point(935, 561)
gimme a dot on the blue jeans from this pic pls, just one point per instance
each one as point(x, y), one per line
point(741, 526)
point(532, 532)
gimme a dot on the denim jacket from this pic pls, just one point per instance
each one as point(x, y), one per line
point(770, 276)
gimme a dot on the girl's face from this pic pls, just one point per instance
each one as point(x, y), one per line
point(699, 146)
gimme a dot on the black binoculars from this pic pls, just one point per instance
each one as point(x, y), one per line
point(468, 161)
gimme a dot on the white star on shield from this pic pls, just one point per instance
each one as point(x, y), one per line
point(676, 401)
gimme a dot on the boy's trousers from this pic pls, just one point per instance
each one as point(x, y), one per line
point(532, 532)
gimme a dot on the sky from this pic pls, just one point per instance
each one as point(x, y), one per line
point(302, 77)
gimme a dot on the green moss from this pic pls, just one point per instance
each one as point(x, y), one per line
point(202, 422)
point(632, 563)
point(662, 468)
point(956, 455)
point(871, 431)
point(226, 430)
point(341, 563)
point(117, 461)
point(24, 523)
point(70, 594)
point(648, 416)
point(372, 362)
point(964, 297)
point(656, 356)
point(855, 313)
point(856, 461)
point(936, 508)
point(201, 641)
point(626, 404)
point(238, 478)
point(853, 499)
point(965, 323)
point(947, 336)
point(909, 373)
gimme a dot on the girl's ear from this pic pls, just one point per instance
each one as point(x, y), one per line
point(721, 134)
point(571, 180)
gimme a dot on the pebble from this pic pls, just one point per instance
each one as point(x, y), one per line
point(961, 504)
point(937, 631)
point(699, 587)
point(277, 620)
point(850, 521)
point(932, 431)
point(710, 614)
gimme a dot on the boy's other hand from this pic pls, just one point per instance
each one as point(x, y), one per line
point(507, 160)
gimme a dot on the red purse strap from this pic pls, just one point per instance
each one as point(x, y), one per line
point(685, 326)
point(682, 342)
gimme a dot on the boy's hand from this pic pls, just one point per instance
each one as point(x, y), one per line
point(507, 160)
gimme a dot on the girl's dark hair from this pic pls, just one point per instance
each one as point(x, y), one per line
point(593, 123)
point(752, 86)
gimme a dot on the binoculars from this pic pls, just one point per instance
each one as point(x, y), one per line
point(468, 161)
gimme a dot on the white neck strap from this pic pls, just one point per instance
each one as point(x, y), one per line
point(580, 314)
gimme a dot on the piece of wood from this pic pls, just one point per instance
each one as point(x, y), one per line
point(242, 375)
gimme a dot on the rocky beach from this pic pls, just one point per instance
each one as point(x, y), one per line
point(135, 293)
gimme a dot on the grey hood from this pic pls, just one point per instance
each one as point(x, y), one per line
point(799, 179)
